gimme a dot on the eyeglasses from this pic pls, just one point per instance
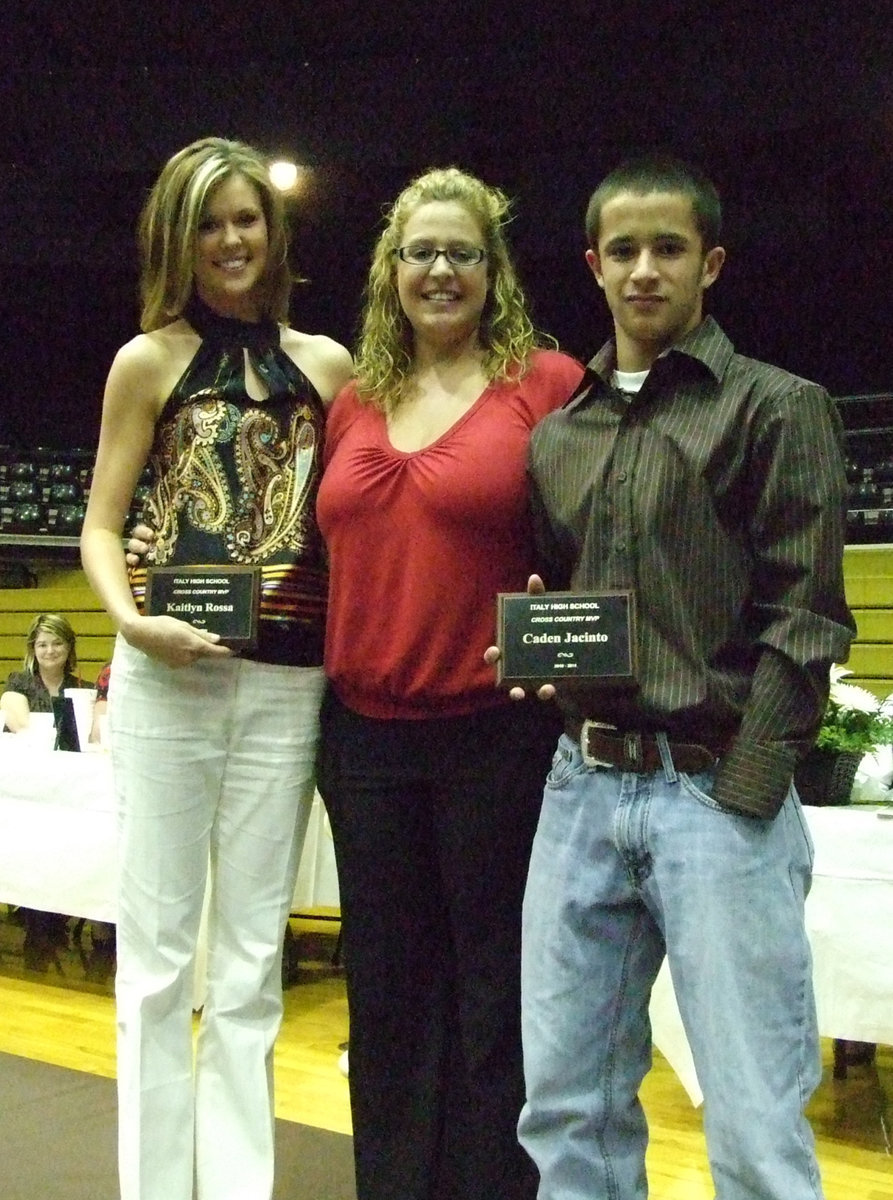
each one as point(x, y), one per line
point(427, 256)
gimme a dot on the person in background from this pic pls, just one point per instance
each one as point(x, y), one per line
point(213, 752)
point(50, 665)
point(711, 486)
point(101, 932)
point(431, 781)
point(48, 668)
point(101, 704)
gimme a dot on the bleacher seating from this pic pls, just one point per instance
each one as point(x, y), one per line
point(43, 493)
point(868, 422)
point(868, 571)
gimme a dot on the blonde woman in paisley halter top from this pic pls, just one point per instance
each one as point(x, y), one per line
point(213, 751)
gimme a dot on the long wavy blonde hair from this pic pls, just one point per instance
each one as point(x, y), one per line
point(168, 228)
point(384, 359)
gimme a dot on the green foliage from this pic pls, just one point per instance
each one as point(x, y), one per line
point(845, 728)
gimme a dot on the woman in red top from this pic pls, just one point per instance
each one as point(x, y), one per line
point(432, 778)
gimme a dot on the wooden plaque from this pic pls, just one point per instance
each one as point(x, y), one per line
point(223, 600)
point(566, 635)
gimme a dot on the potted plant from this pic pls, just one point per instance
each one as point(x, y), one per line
point(855, 724)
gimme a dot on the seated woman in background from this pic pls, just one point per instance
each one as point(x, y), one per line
point(50, 666)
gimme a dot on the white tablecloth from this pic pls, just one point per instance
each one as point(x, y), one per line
point(849, 919)
point(57, 835)
point(57, 853)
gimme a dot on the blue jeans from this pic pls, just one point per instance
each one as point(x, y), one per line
point(626, 868)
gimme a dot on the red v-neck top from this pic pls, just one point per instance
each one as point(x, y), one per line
point(421, 542)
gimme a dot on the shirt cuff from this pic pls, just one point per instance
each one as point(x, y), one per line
point(754, 778)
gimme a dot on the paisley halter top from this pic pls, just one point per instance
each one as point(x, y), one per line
point(234, 480)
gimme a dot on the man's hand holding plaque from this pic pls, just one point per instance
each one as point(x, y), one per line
point(545, 638)
point(493, 654)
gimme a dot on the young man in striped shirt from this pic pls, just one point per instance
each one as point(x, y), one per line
point(711, 486)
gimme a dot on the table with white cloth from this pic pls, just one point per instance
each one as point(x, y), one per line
point(849, 919)
point(58, 835)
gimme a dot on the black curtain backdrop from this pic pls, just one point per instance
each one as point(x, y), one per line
point(788, 106)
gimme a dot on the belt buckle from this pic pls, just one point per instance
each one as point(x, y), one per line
point(588, 758)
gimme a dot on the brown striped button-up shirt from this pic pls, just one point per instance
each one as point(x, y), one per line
point(717, 493)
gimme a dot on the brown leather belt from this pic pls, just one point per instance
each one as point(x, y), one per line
point(629, 750)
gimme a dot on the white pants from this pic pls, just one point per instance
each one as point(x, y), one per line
point(214, 764)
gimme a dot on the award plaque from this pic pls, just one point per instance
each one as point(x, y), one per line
point(223, 600)
point(585, 636)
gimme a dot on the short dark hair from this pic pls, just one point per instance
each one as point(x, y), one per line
point(659, 173)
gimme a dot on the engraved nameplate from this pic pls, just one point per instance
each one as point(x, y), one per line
point(223, 600)
point(566, 635)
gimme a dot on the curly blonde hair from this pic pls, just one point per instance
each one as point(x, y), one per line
point(384, 359)
point(169, 221)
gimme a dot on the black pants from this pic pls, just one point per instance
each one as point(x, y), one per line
point(433, 822)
